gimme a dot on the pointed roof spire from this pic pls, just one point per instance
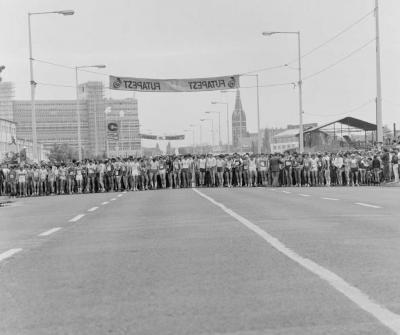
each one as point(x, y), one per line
point(238, 101)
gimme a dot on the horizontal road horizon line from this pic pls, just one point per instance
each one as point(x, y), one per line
point(9, 253)
point(50, 231)
point(386, 317)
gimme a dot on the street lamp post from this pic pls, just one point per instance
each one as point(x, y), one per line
point(212, 130)
point(32, 81)
point(219, 125)
point(227, 120)
point(78, 114)
point(300, 83)
point(106, 112)
point(379, 128)
point(193, 134)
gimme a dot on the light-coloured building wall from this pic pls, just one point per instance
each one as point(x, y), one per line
point(56, 122)
point(6, 97)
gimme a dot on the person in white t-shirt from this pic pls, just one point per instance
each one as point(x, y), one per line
point(22, 181)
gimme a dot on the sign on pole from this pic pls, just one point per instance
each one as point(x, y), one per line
point(112, 131)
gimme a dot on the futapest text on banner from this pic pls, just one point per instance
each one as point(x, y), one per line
point(174, 85)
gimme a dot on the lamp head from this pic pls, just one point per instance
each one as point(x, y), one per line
point(66, 12)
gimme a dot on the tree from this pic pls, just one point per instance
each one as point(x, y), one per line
point(266, 144)
point(62, 153)
point(2, 67)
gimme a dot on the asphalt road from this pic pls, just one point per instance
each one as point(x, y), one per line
point(219, 261)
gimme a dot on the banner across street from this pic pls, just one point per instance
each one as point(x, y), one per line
point(174, 85)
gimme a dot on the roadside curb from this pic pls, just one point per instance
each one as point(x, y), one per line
point(4, 200)
point(391, 184)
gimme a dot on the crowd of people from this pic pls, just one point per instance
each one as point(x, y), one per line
point(223, 170)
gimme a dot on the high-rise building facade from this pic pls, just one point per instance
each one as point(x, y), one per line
point(56, 122)
point(238, 121)
point(6, 98)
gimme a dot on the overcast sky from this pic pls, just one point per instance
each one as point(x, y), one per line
point(185, 38)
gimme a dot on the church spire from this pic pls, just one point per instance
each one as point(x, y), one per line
point(239, 128)
point(238, 101)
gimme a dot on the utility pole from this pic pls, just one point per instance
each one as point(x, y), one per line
point(379, 129)
point(301, 130)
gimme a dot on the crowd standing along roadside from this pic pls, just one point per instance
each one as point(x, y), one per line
point(236, 170)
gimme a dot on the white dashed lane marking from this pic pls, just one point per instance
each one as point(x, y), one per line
point(9, 253)
point(286, 192)
point(76, 218)
point(119, 195)
point(304, 195)
point(366, 205)
point(105, 203)
point(93, 209)
point(388, 318)
point(113, 199)
point(49, 232)
point(332, 199)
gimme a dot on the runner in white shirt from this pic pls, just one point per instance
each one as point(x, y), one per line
point(22, 181)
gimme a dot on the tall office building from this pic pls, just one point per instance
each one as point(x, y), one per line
point(6, 98)
point(238, 121)
point(57, 122)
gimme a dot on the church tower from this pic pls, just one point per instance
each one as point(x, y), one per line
point(238, 121)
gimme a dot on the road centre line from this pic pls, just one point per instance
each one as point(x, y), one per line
point(93, 209)
point(113, 199)
point(50, 231)
point(9, 253)
point(76, 218)
point(366, 205)
point(332, 199)
point(105, 203)
point(304, 195)
point(386, 317)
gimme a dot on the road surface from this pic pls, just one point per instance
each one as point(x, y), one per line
point(240, 261)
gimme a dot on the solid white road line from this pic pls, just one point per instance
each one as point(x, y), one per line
point(366, 205)
point(76, 218)
point(113, 199)
point(9, 253)
point(333, 199)
point(105, 203)
point(93, 209)
point(49, 232)
point(304, 195)
point(286, 192)
point(381, 313)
